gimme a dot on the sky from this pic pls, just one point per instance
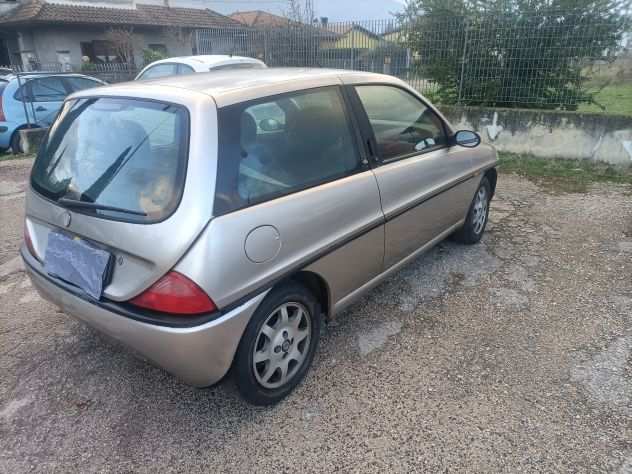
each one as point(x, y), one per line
point(335, 10)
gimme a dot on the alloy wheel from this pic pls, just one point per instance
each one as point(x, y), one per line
point(480, 210)
point(282, 345)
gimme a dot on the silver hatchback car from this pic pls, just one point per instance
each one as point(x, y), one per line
point(212, 221)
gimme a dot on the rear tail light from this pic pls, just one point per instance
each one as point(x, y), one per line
point(175, 294)
point(28, 241)
point(2, 116)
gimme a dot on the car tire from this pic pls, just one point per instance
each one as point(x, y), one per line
point(283, 336)
point(16, 143)
point(477, 216)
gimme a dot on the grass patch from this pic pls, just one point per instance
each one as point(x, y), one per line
point(616, 98)
point(564, 175)
point(11, 156)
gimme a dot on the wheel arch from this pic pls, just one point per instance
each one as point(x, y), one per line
point(314, 283)
point(317, 285)
point(492, 176)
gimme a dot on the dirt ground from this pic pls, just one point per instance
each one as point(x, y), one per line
point(511, 355)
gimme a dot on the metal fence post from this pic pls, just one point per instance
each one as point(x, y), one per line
point(463, 58)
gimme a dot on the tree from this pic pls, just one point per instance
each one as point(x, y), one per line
point(301, 11)
point(151, 55)
point(124, 43)
point(510, 53)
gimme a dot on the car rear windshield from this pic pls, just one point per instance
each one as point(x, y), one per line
point(122, 159)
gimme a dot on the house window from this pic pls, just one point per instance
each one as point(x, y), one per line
point(99, 51)
point(158, 48)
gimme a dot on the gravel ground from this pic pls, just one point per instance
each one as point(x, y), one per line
point(511, 355)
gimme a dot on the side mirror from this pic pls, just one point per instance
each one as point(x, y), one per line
point(270, 125)
point(466, 138)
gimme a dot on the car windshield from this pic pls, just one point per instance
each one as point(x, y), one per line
point(125, 157)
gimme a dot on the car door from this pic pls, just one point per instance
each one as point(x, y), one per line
point(425, 185)
point(45, 96)
point(293, 192)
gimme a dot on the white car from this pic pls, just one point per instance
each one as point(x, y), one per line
point(192, 64)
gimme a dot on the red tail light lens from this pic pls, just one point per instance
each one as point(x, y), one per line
point(2, 117)
point(175, 294)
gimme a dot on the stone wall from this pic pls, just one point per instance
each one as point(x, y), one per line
point(549, 134)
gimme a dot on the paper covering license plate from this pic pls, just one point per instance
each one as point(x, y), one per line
point(78, 262)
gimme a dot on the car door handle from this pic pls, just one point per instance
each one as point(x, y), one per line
point(41, 109)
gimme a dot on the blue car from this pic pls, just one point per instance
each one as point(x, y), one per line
point(39, 96)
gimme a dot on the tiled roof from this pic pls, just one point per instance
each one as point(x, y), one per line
point(261, 19)
point(39, 12)
point(345, 29)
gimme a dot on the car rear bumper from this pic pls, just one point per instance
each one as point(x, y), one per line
point(199, 355)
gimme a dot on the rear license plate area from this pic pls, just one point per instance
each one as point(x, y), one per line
point(78, 262)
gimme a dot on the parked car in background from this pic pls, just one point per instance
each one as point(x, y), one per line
point(35, 99)
point(192, 64)
point(211, 221)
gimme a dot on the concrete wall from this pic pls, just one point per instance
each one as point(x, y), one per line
point(549, 134)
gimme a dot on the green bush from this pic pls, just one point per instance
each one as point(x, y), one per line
point(151, 55)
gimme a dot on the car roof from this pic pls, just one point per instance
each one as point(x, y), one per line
point(231, 86)
point(206, 62)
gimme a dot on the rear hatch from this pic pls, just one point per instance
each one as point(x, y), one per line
point(112, 172)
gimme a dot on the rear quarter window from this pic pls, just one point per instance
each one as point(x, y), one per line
point(277, 146)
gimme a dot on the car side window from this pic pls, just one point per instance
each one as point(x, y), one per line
point(160, 70)
point(81, 83)
point(184, 69)
point(269, 117)
point(47, 89)
point(402, 124)
point(277, 146)
point(237, 66)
